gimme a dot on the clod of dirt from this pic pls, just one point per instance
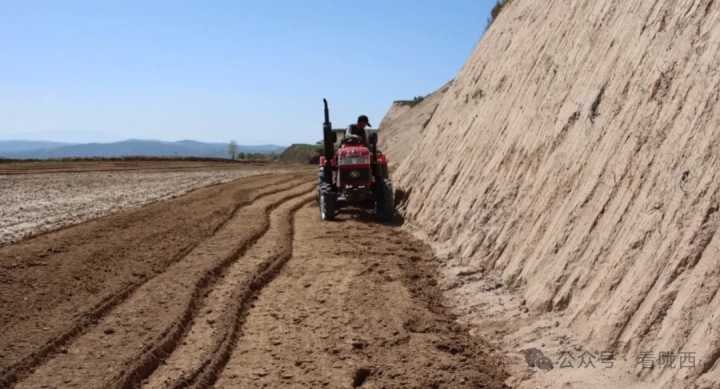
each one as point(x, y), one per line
point(359, 344)
point(361, 375)
point(536, 358)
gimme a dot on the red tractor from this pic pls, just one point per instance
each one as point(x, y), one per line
point(353, 173)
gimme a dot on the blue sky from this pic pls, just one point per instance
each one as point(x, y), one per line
point(253, 71)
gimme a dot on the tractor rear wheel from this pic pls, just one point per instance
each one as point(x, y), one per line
point(385, 202)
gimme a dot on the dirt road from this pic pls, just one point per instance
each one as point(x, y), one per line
point(237, 285)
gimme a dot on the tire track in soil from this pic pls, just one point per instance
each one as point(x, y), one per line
point(16, 336)
point(357, 305)
point(81, 322)
point(136, 334)
point(207, 345)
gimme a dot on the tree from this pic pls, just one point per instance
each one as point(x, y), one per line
point(232, 150)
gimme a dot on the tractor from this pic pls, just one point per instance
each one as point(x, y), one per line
point(353, 173)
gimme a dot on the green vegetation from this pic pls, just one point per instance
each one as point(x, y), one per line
point(254, 156)
point(232, 149)
point(415, 101)
point(236, 155)
point(301, 153)
point(499, 6)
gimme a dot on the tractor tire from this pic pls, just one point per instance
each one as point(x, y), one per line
point(385, 202)
point(328, 201)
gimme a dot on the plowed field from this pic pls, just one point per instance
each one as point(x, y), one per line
point(236, 285)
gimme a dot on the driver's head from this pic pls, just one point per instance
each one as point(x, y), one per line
point(363, 122)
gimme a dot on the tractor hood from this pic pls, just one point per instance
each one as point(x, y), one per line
point(353, 156)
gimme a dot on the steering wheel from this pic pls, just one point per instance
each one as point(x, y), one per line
point(351, 140)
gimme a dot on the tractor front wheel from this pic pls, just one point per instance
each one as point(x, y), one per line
point(327, 203)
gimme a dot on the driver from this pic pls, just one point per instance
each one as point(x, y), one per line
point(359, 128)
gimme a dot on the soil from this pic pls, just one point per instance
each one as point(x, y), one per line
point(120, 165)
point(356, 305)
point(37, 197)
point(575, 157)
point(233, 285)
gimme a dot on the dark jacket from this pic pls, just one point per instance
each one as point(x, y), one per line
point(355, 130)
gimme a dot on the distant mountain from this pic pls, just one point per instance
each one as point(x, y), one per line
point(130, 147)
point(16, 146)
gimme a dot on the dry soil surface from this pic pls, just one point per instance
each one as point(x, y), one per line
point(576, 156)
point(233, 285)
point(404, 124)
point(118, 165)
point(37, 197)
